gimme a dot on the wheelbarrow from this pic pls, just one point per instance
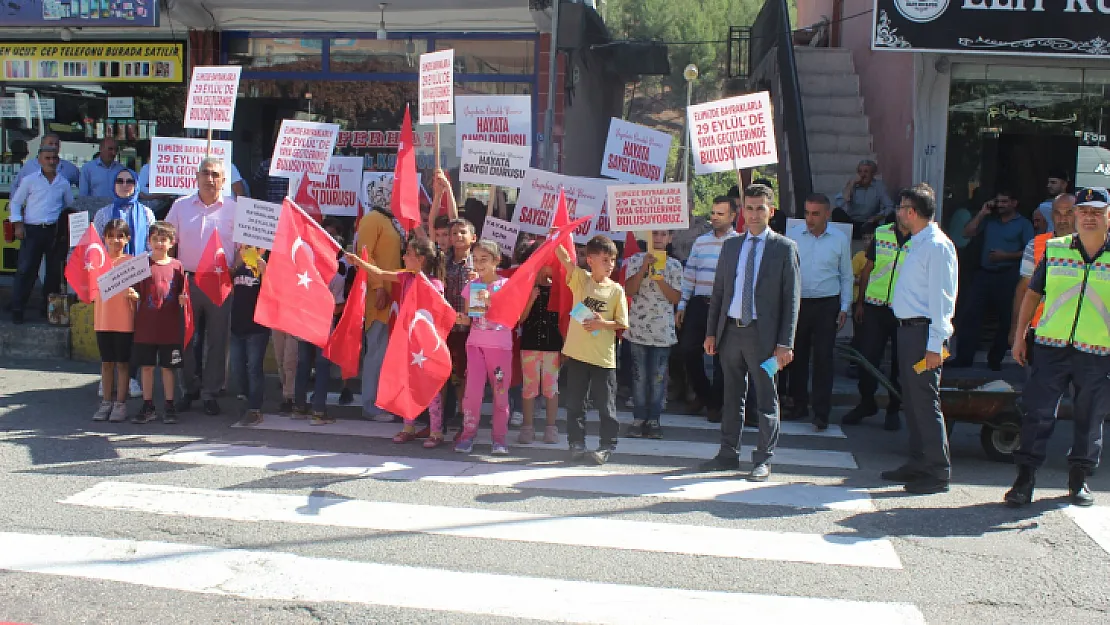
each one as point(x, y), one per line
point(997, 413)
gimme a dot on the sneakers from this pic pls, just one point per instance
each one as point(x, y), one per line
point(652, 430)
point(253, 417)
point(103, 411)
point(551, 435)
point(516, 420)
point(302, 412)
point(119, 412)
point(636, 429)
point(601, 456)
point(577, 451)
point(527, 435)
point(499, 449)
point(146, 414)
point(135, 389)
point(464, 445)
point(321, 418)
point(346, 397)
point(169, 415)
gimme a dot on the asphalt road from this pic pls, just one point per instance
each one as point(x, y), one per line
point(203, 522)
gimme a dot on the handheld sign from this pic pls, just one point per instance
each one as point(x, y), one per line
point(174, 162)
point(634, 153)
point(78, 224)
point(338, 194)
point(303, 147)
point(493, 163)
point(503, 232)
point(504, 119)
point(256, 222)
point(539, 195)
point(123, 276)
point(732, 134)
point(648, 207)
point(437, 87)
point(211, 101)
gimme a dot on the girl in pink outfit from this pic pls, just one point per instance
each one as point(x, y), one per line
point(489, 352)
point(421, 256)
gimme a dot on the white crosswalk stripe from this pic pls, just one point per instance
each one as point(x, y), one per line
point(1094, 521)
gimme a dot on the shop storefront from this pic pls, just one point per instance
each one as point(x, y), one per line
point(85, 91)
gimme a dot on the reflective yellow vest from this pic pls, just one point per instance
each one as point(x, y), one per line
point(880, 285)
point(1075, 298)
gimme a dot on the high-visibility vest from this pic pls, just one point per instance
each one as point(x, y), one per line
point(1076, 294)
point(1039, 243)
point(884, 273)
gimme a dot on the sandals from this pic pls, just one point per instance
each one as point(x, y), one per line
point(404, 437)
point(433, 441)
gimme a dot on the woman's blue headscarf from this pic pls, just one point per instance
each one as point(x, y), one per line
point(130, 210)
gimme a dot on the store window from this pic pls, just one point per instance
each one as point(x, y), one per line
point(376, 55)
point(491, 56)
point(275, 54)
point(493, 88)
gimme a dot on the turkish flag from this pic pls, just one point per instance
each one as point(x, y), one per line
point(86, 263)
point(395, 293)
point(405, 202)
point(417, 359)
point(561, 299)
point(507, 304)
point(345, 343)
point(295, 297)
point(190, 325)
point(306, 200)
point(213, 275)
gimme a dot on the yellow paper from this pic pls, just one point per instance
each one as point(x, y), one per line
point(250, 257)
point(920, 366)
point(660, 264)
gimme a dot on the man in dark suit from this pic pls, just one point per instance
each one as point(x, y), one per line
point(753, 314)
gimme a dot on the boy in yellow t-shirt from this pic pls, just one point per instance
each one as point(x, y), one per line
point(600, 309)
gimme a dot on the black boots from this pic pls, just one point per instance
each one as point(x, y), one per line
point(1078, 493)
point(1021, 493)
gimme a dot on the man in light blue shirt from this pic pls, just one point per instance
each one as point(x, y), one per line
point(66, 169)
point(35, 209)
point(827, 280)
point(98, 176)
point(924, 301)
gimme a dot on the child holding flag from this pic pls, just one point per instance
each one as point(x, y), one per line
point(114, 322)
point(540, 344)
point(248, 338)
point(160, 321)
point(309, 355)
point(421, 256)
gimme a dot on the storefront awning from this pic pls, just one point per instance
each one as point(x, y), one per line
point(357, 15)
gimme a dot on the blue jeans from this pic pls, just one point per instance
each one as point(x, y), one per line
point(649, 380)
point(247, 353)
point(307, 356)
point(38, 242)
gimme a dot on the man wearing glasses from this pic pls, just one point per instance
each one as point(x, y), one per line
point(923, 302)
point(196, 218)
point(35, 208)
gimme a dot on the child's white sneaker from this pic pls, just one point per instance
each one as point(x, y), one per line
point(103, 412)
point(119, 412)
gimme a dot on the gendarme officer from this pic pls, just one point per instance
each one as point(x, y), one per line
point(1072, 346)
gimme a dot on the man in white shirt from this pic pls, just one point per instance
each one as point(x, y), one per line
point(36, 207)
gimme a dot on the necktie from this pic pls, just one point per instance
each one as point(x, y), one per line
point(747, 296)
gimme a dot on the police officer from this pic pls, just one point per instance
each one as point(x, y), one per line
point(876, 321)
point(1072, 346)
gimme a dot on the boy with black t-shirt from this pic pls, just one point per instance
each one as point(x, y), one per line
point(160, 321)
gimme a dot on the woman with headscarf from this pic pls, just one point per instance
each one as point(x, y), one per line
point(126, 206)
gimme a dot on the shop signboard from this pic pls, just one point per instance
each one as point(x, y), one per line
point(437, 87)
point(732, 134)
point(539, 196)
point(648, 207)
point(634, 153)
point(174, 162)
point(303, 147)
point(211, 100)
point(503, 119)
point(1076, 28)
point(92, 62)
point(84, 14)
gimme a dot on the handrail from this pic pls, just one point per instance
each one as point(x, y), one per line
point(770, 30)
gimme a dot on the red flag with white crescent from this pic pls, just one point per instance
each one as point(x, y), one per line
point(87, 262)
point(345, 343)
point(213, 275)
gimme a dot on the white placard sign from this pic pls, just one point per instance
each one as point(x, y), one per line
point(121, 107)
point(303, 147)
point(174, 163)
point(601, 225)
point(732, 134)
point(539, 195)
point(78, 225)
point(15, 107)
point(648, 207)
point(256, 222)
point(123, 275)
point(212, 95)
point(339, 193)
point(376, 189)
point(634, 153)
point(437, 87)
point(503, 232)
point(794, 228)
point(494, 163)
point(505, 119)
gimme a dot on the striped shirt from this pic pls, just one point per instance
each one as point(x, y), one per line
point(701, 266)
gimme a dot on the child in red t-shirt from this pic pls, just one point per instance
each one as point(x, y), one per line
point(160, 321)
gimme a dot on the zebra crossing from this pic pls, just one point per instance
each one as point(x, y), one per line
point(275, 574)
